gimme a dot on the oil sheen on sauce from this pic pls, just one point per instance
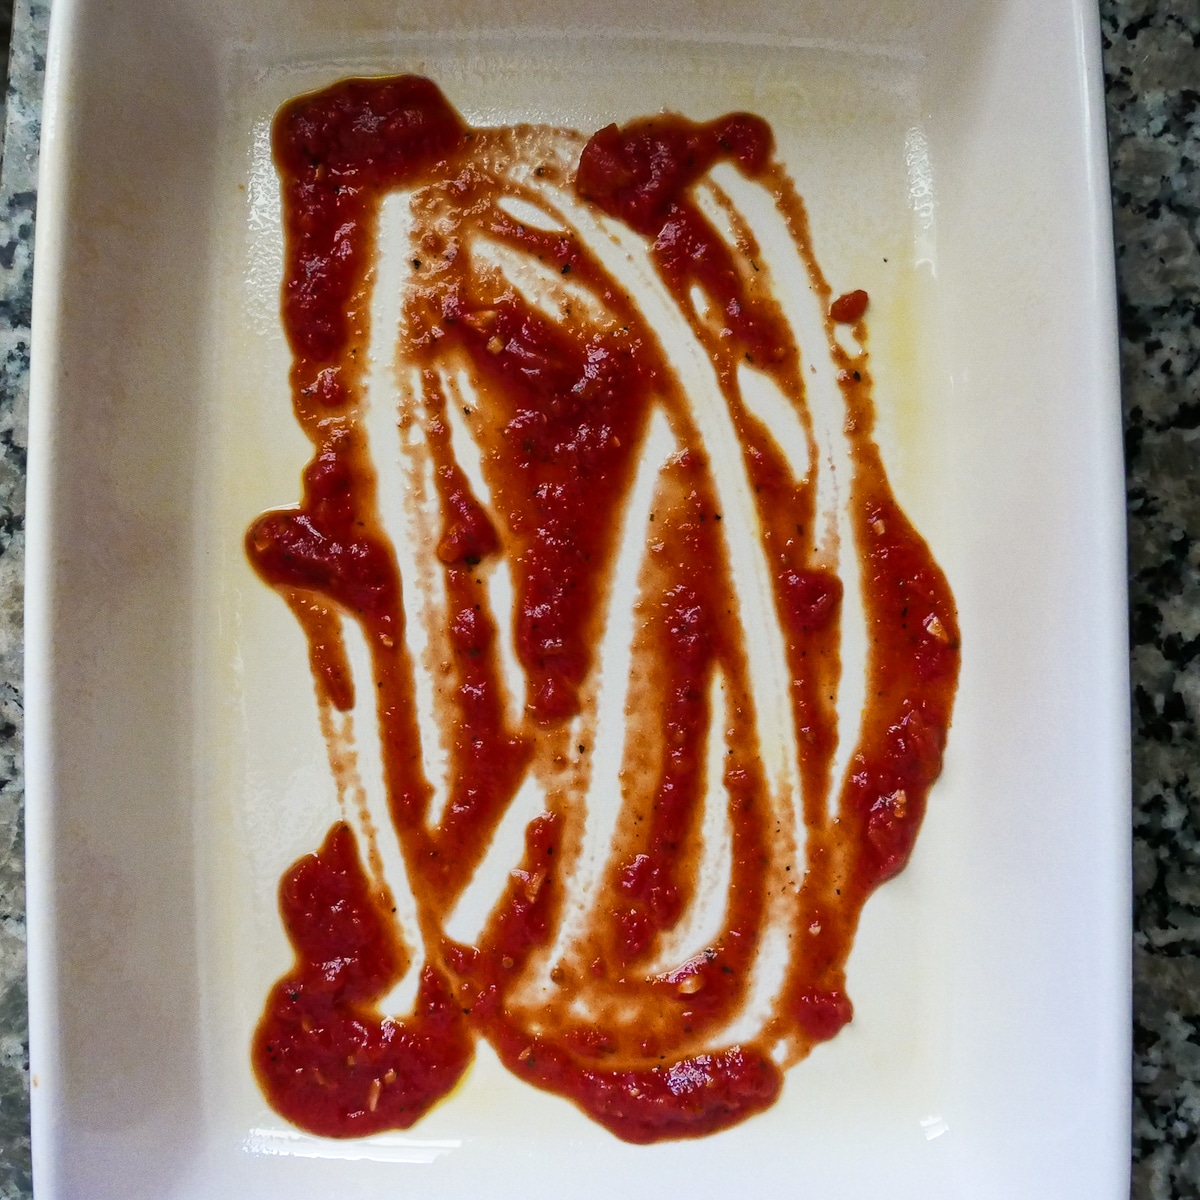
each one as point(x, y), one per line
point(603, 450)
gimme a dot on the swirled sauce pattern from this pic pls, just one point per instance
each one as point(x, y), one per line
point(665, 679)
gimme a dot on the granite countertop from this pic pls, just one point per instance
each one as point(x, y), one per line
point(1152, 67)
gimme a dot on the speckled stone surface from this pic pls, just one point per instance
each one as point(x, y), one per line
point(1152, 67)
point(1152, 63)
point(18, 193)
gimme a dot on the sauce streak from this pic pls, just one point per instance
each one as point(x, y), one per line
point(590, 977)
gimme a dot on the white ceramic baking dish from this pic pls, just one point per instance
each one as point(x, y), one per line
point(954, 162)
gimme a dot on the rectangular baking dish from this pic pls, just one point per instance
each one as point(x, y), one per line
point(954, 163)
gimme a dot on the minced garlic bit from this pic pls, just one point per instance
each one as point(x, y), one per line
point(373, 1094)
point(533, 885)
point(936, 629)
point(689, 985)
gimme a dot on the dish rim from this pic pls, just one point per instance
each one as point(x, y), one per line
point(41, 732)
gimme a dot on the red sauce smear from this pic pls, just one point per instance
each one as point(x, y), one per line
point(562, 399)
point(849, 308)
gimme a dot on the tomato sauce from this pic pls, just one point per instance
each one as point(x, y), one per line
point(559, 406)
